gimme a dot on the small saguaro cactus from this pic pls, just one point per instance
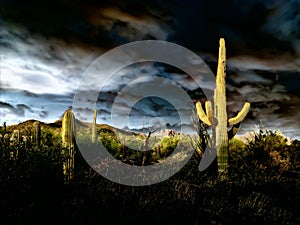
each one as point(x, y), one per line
point(68, 142)
point(4, 128)
point(218, 118)
point(37, 133)
point(15, 137)
point(94, 128)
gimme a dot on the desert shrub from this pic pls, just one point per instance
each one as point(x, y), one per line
point(236, 151)
point(30, 166)
point(168, 144)
point(236, 144)
point(266, 152)
point(32, 184)
point(294, 154)
point(134, 143)
point(111, 142)
point(50, 138)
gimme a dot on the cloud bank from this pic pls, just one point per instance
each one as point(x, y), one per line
point(46, 47)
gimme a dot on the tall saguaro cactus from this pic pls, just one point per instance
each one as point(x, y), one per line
point(68, 142)
point(217, 118)
point(94, 128)
point(37, 133)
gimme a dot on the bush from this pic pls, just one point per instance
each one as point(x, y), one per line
point(167, 145)
point(266, 152)
point(256, 192)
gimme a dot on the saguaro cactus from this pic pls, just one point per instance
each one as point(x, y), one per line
point(94, 128)
point(37, 133)
point(68, 142)
point(4, 128)
point(15, 137)
point(218, 118)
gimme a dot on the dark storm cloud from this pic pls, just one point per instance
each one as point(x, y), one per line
point(263, 86)
point(17, 106)
point(103, 23)
point(41, 65)
point(5, 105)
point(283, 22)
point(274, 101)
point(44, 114)
point(47, 45)
point(270, 27)
point(18, 110)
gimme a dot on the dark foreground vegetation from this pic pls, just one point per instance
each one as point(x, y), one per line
point(263, 187)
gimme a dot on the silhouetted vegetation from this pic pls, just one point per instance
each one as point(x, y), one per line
point(262, 186)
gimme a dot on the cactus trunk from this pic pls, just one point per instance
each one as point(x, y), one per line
point(37, 133)
point(94, 128)
point(221, 137)
point(219, 121)
point(4, 128)
point(68, 142)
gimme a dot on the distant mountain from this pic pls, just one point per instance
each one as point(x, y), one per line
point(55, 127)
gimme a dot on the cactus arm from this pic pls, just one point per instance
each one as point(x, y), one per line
point(209, 112)
point(240, 116)
point(203, 117)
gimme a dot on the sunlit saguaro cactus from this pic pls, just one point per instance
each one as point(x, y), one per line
point(68, 142)
point(217, 118)
point(15, 137)
point(37, 133)
point(94, 128)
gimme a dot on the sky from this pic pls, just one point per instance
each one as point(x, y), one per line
point(46, 47)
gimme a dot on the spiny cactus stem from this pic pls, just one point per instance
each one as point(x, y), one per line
point(240, 116)
point(221, 71)
point(94, 128)
point(220, 121)
point(68, 139)
point(209, 111)
point(37, 133)
point(202, 114)
point(68, 129)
